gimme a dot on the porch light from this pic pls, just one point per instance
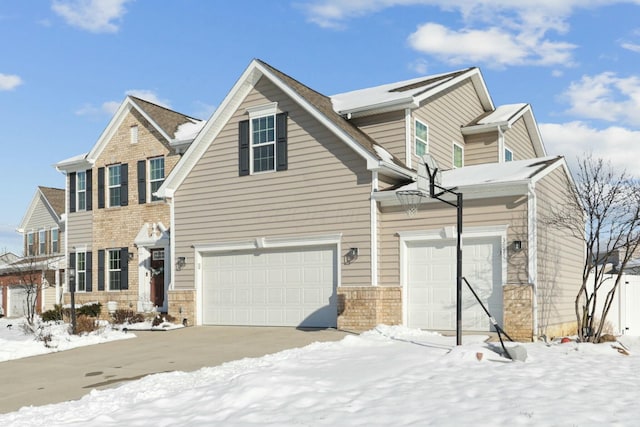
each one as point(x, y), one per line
point(72, 290)
point(181, 262)
point(351, 256)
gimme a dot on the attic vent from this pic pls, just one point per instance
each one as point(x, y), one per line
point(133, 133)
point(429, 81)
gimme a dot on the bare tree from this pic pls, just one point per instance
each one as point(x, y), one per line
point(610, 228)
point(28, 275)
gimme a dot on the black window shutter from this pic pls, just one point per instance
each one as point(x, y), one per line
point(243, 147)
point(124, 184)
point(100, 188)
point(101, 269)
point(142, 181)
point(72, 192)
point(72, 263)
point(281, 142)
point(89, 188)
point(124, 268)
point(88, 268)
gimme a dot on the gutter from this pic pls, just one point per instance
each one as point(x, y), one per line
point(532, 250)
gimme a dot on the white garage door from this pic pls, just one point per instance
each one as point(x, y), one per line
point(292, 287)
point(17, 299)
point(431, 283)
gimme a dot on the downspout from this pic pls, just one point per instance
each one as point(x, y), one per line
point(172, 245)
point(374, 229)
point(532, 252)
point(500, 145)
point(407, 137)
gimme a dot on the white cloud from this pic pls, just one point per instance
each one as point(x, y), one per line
point(97, 16)
point(9, 81)
point(420, 66)
point(574, 139)
point(631, 46)
point(605, 96)
point(498, 32)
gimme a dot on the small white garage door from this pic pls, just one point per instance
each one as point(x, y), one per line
point(17, 301)
point(268, 287)
point(431, 283)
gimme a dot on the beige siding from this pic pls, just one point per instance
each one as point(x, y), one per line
point(326, 190)
point(481, 148)
point(386, 129)
point(79, 231)
point(445, 114)
point(517, 139)
point(511, 211)
point(560, 257)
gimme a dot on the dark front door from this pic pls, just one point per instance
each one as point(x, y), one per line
point(157, 277)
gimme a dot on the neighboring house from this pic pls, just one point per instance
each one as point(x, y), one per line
point(117, 230)
point(42, 266)
point(285, 210)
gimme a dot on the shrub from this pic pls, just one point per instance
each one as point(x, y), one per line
point(86, 324)
point(53, 315)
point(91, 310)
point(122, 316)
point(160, 318)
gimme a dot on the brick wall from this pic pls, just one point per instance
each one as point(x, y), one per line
point(182, 306)
point(518, 312)
point(363, 307)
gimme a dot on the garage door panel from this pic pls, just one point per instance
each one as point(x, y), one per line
point(431, 283)
point(293, 287)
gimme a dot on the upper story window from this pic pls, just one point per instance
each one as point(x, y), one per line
point(81, 271)
point(508, 155)
point(55, 240)
point(263, 140)
point(133, 134)
point(42, 242)
point(156, 175)
point(263, 143)
point(458, 155)
point(115, 178)
point(30, 244)
point(421, 138)
point(81, 191)
point(114, 268)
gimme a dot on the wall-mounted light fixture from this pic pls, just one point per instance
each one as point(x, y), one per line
point(351, 256)
point(517, 245)
point(181, 262)
point(130, 256)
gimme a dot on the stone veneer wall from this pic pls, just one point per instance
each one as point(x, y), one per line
point(363, 307)
point(182, 306)
point(518, 311)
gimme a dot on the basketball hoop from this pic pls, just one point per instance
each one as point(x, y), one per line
point(410, 200)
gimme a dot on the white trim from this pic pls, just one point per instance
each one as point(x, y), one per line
point(504, 151)
point(374, 230)
point(453, 154)
point(444, 233)
point(532, 252)
point(407, 138)
point(262, 110)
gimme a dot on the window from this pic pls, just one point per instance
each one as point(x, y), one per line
point(81, 271)
point(114, 185)
point(421, 138)
point(156, 175)
point(508, 155)
point(42, 242)
point(263, 143)
point(55, 240)
point(30, 243)
point(81, 191)
point(133, 134)
point(114, 264)
point(458, 155)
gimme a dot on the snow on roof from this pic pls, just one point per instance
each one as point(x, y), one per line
point(387, 94)
point(189, 130)
point(502, 114)
point(492, 173)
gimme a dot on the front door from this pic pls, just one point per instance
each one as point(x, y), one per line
point(157, 277)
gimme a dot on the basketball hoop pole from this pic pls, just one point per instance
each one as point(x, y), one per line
point(458, 205)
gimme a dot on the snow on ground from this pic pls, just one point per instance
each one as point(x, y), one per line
point(387, 376)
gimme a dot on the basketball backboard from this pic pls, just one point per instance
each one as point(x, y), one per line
point(427, 170)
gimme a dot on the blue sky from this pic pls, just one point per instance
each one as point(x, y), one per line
point(65, 65)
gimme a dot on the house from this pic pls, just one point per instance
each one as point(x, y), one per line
point(118, 231)
point(286, 213)
point(42, 266)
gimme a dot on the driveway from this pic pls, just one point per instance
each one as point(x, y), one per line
point(69, 375)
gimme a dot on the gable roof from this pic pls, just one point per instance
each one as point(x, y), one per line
point(316, 104)
point(407, 94)
point(53, 200)
point(489, 178)
point(502, 118)
point(170, 124)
